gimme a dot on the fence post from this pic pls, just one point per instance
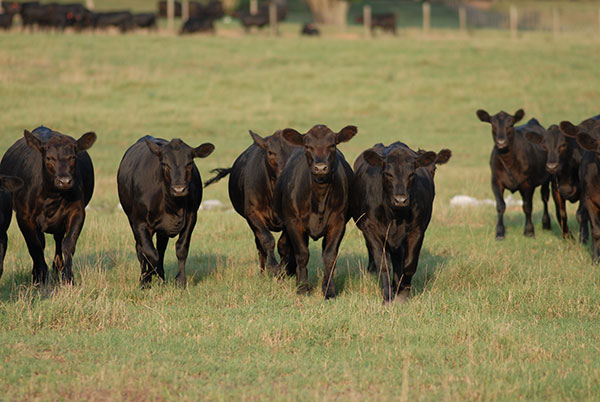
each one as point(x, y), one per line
point(170, 14)
point(273, 18)
point(514, 17)
point(367, 20)
point(462, 18)
point(185, 10)
point(426, 17)
point(253, 7)
point(555, 22)
point(89, 4)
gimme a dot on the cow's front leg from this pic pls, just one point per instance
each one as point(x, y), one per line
point(527, 194)
point(146, 252)
point(331, 245)
point(298, 237)
point(74, 225)
point(35, 245)
point(182, 248)
point(498, 191)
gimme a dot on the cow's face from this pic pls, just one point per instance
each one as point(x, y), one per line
point(177, 163)
point(398, 173)
point(10, 183)
point(503, 126)
point(59, 156)
point(277, 151)
point(556, 146)
point(320, 145)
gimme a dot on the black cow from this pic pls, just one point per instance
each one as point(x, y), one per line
point(198, 24)
point(11, 7)
point(8, 185)
point(391, 203)
point(248, 20)
point(58, 178)
point(251, 183)
point(517, 164)
point(144, 20)
point(123, 20)
point(385, 21)
point(6, 21)
point(311, 198)
point(563, 160)
point(213, 9)
point(589, 178)
point(309, 29)
point(160, 190)
point(162, 9)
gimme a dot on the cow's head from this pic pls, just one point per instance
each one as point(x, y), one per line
point(59, 156)
point(503, 126)
point(10, 183)
point(177, 163)
point(556, 145)
point(320, 145)
point(277, 151)
point(398, 172)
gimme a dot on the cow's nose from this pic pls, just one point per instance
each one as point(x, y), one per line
point(552, 167)
point(178, 190)
point(501, 143)
point(320, 168)
point(400, 201)
point(64, 181)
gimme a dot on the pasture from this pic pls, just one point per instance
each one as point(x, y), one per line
point(517, 319)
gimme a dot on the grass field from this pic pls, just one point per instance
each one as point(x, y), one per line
point(518, 319)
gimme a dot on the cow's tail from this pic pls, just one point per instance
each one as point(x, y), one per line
point(221, 172)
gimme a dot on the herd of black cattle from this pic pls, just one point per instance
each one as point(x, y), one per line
point(57, 16)
point(296, 184)
point(202, 17)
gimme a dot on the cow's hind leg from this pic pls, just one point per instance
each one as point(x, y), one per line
point(561, 211)
point(546, 225)
point(582, 219)
point(265, 243)
point(286, 253)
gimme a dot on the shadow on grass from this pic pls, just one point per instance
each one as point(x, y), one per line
point(353, 266)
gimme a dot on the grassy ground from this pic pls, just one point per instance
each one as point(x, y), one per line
point(518, 319)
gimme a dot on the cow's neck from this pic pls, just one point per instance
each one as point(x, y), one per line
point(320, 195)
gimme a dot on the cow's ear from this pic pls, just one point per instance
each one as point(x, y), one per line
point(373, 158)
point(587, 142)
point(86, 141)
point(425, 159)
point(443, 156)
point(519, 114)
point(258, 140)
point(204, 150)
point(345, 134)
point(483, 116)
point(10, 183)
point(293, 137)
point(568, 128)
point(533, 137)
point(154, 147)
point(32, 141)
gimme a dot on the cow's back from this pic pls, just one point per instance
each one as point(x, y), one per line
point(248, 178)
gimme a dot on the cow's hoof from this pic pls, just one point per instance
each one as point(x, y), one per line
point(499, 237)
point(329, 292)
point(529, 234)
point(403, 296)
point(303, 288)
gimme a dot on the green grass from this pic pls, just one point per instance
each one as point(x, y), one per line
point(518, 319)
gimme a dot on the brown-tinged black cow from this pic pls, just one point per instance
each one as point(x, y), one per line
point(563, 157)
point(517, 165)
point(123, 20)
point(391, 202)
point(58, 182)
point(310, 29)
point(251, 184)
point(311, 198)
point(385, 21)
point(589, 179)
point(160, 191)
point(8, 185)
point(162, 9)
point(6, 21)
point(144, 20)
